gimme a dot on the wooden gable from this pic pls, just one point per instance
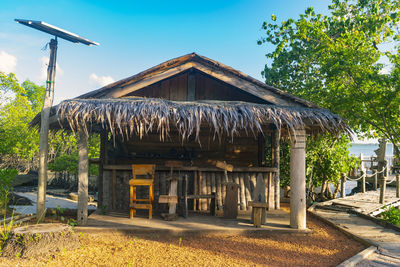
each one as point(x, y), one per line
point(195, 85)
point(194, 77)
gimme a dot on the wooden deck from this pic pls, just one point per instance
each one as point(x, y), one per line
point(366, 203)
point(196, 223)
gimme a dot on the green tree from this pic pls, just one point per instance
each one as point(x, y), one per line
point(19, 104)
point(327, 158)
point(19, 144)
point(335, 61)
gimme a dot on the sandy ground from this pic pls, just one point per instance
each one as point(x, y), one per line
point(325, 246)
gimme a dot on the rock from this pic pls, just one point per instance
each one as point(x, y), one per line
point(17, 200)
point(74, 197)
point(32, 240)
point(30, 178)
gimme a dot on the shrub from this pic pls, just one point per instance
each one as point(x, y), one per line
point(391, 215)
point(6, 178)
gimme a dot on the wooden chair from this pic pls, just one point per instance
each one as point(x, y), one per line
point(148, 171)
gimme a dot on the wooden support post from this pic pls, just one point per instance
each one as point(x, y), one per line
point(298, 180)
point(247, 189)
point(343, 186)
point(213, 183)
point(383, 190)
point(208, 187)
point(398, 185)
point(363, 187)
point(185, 190)
point(224, 181)
point(231, 201)
point(44, 132)
point(218, 178)
point(375, 180)
point(103, 149)
point(242, 192)
point(271, 193)
point(381, 152)
point(156, 190)
point(195, 189)
point(213, 204)
point(276, 137)
point(267, 184)
point(236, 181)
point(114, 191)
point(83, 175)
point(173, 191)
point(203, 190)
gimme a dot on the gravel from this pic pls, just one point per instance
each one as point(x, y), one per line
point(324, 246)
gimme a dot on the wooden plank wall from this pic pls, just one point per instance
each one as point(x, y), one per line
point(199, 183)
point(242, 152)
point(206, 88)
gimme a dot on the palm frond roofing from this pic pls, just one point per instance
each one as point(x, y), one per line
point(140, 116)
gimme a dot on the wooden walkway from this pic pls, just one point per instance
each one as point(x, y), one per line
point(343, 213)
point(366, 203)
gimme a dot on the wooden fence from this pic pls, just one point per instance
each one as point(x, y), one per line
point(201, 181)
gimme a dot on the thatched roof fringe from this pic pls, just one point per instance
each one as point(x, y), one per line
point(140, 116)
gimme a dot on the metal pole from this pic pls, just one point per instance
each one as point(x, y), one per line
point(44, 131)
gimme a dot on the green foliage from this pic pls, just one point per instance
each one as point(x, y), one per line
point(6, 178)
point(19, 104)
point(65, 162)
point(58, 213)
point(19, 144)
point(335, 60)
point(68, 161)
point(392, 215)
point(72, 222)
point(327, 158)
point(284, 170)
point(5, 230)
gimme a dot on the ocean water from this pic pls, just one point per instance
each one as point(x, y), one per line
point(369, 149)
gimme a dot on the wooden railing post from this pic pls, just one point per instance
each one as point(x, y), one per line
point(363, 188)
point(397, 185)
point(383, 190)
point(343, 186)
point(375, 180)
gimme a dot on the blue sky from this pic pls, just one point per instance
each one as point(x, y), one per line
point(136, 35)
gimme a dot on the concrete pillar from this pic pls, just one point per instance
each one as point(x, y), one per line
point(298, 180)
point(83, 168)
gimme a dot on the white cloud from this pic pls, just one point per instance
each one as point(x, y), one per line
point(100, 80)
point(8, 62)
point(44, 62)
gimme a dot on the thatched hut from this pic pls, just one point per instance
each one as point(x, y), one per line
point(198, 111)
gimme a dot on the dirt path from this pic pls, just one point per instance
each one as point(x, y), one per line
point(325, 246)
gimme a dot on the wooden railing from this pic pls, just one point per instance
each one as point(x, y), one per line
point(203, 181)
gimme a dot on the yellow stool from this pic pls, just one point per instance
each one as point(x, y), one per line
point(147, 170)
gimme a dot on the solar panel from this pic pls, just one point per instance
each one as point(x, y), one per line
point(53, 30)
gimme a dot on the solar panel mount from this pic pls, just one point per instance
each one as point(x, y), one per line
point(56, 31)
